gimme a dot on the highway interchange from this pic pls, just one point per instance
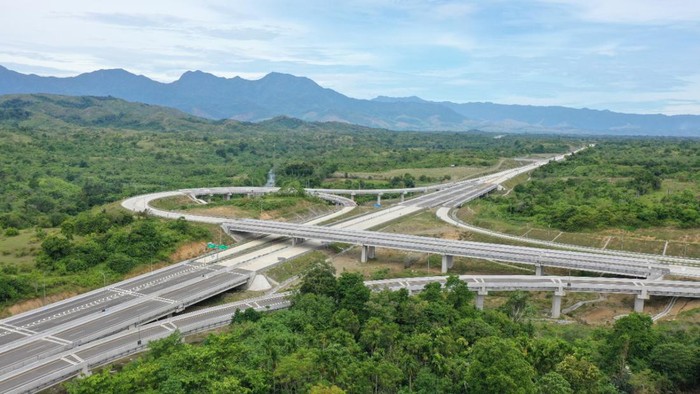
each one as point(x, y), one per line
point(49, 344)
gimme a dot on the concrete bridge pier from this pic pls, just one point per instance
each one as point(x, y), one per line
point(403, 196)
point(556, 303)
point(447, 262)
point(367, 252)
point(379, 199)
point(480, 295)
point(539, 270)
point(296, 241)
point(352, 196)
point(639, 301)
point(85, 369)
point(209, 196)
point(228, 196)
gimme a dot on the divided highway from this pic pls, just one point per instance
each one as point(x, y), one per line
point(29, 336)
point(37, 334)
point(41, 346)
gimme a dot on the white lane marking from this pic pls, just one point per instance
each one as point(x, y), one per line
point(57, 340)
point(71, 362)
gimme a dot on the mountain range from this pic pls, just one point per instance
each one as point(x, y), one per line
point(206, 95)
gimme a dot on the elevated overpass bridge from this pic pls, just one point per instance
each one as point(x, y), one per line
point(95, 314)
point(368, 240)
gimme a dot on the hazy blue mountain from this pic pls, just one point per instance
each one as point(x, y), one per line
point(276, 94)
point(580, 119)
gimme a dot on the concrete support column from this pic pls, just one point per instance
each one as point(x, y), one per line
point(228, 196)
point(403, 196)
point(447, 262)
point(371, 252)
point(352, 196)
point(379, 199)
point(556, 303)
point(85, 369)
point(363, 253)
point(480, 295)
point(539, 270)
point(639, 301)
point(209, 197)
point(296, 241)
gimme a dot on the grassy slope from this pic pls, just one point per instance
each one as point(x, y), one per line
point(681, 241)
point(63, 155)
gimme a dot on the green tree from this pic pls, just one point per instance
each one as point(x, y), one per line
point(498, 366)
point(292, 188)
point(630, 342)
point(320, 280)
point(56, 247)
point(680, 362)
point(352, 294)
point(249, 314)
point(377, 334)
point(298, 371)
point(554, 383)
point(458, 294)
point(518, 306)
point(649, 382)
point(324, 389)
point(120, 263)
point(545, 353)
point(583, 376)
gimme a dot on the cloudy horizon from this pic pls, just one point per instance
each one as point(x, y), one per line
point(633, 56)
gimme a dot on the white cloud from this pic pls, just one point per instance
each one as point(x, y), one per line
point(625, 54)
point(636, 11)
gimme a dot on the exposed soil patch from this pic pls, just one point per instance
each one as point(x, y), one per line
point(225, 211)
point(188, 251)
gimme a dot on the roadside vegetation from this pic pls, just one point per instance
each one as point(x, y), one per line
point(65, 160)
point(339, 337)
point(632, 194)
point(275, 206)
point(92, 249)
point(63, 155)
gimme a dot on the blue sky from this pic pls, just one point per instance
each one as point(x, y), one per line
point(638, 56)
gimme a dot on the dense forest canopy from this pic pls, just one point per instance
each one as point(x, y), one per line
point(626, 183)
point(338, 337)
